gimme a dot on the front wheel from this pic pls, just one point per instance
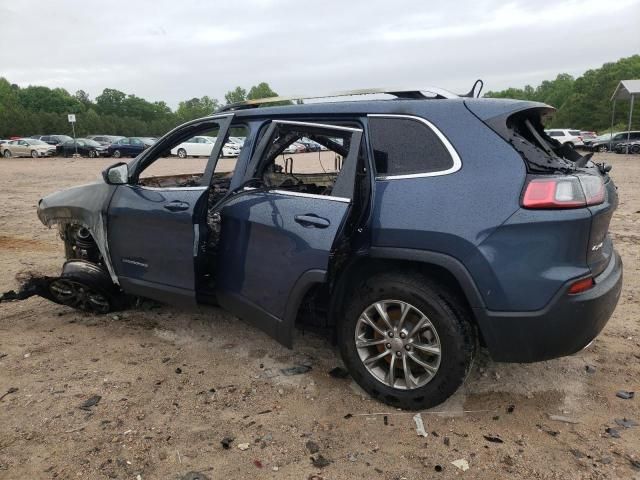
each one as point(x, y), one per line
point(603, 148)
point(635, 148)
point(34, 154)
point(406, 341)
point(182, 153)
point(92, 154)
point(7, 154)
point(117, 154)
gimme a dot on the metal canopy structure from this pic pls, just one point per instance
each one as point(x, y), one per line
point(626, 90)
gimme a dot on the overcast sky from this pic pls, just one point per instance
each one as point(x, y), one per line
point(175, 50)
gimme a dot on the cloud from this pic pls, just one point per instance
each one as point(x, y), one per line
point(167, 50)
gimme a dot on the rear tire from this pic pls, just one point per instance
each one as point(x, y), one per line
point(117, 154)
point(92, 154)
point(603, 148)
point(449, 331)
point(7, 154)
point(182, 153)
point(635, 148)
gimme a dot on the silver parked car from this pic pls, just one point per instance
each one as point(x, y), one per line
point(27, 147)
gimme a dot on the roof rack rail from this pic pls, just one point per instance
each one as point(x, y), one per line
point(416, 94)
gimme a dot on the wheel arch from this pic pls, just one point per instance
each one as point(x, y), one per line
point(445, 269)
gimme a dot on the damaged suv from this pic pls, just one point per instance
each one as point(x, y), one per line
point(427, 225)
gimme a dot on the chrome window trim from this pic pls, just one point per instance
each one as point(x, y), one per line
point(311, 195)
point(301, 194)
point(457, 162)
point(319, 125)
point(164, 189)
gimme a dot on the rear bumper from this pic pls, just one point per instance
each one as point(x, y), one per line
point(566, 325)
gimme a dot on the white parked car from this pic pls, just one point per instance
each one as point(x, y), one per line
point(27, 147)
point(566, 135)
point(201, 146)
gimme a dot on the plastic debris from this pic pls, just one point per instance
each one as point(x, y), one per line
point(320, 461)
point(462, 464)
point(625, 395)
point(613, 433)
point(243, 446)
point(9, 392)
point(226, 442)
point(561, 418)
point(90, 402)
point(417, 418)
point(296, 370)
point(493, 439)
point(626, 422)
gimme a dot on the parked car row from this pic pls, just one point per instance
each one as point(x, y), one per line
point(27, 147)
point(610, 141)
point(615, 141)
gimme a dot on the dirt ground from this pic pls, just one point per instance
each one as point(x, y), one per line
point(174, 384)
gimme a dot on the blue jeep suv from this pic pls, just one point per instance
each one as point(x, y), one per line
point(423, 228)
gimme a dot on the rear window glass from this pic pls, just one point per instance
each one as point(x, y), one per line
point(404, 146)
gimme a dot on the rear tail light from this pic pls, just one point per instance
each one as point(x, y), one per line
point(581, 286)
point(567, 191)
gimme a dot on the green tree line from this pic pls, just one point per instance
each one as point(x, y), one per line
point(41, 110)
point(584, 102)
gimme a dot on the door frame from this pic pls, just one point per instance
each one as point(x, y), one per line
point(282, 328)
point(138, 165)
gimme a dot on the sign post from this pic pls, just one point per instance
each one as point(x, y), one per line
point(72, 120)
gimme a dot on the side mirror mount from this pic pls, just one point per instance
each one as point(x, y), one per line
point(116, 174)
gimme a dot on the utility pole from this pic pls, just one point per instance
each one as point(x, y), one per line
point(72, 120)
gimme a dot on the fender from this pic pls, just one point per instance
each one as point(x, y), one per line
point(84, 205)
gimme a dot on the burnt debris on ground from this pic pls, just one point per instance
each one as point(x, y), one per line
point(31, 284)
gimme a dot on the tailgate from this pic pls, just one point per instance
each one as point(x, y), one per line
point(600, 246)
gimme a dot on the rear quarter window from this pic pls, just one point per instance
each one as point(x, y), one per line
point(406, 146)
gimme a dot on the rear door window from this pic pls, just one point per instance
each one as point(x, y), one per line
point(407, 146)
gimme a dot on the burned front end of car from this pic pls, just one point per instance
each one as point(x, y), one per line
point(87, 280)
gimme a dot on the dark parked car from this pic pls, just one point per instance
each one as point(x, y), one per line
point(610, 143)
point(82, 146)
point(129, 146)
point(628, 147)
point(450, 222)
point(105, 139)
point(53, 139)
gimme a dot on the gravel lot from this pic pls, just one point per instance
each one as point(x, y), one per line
point(173, 384)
